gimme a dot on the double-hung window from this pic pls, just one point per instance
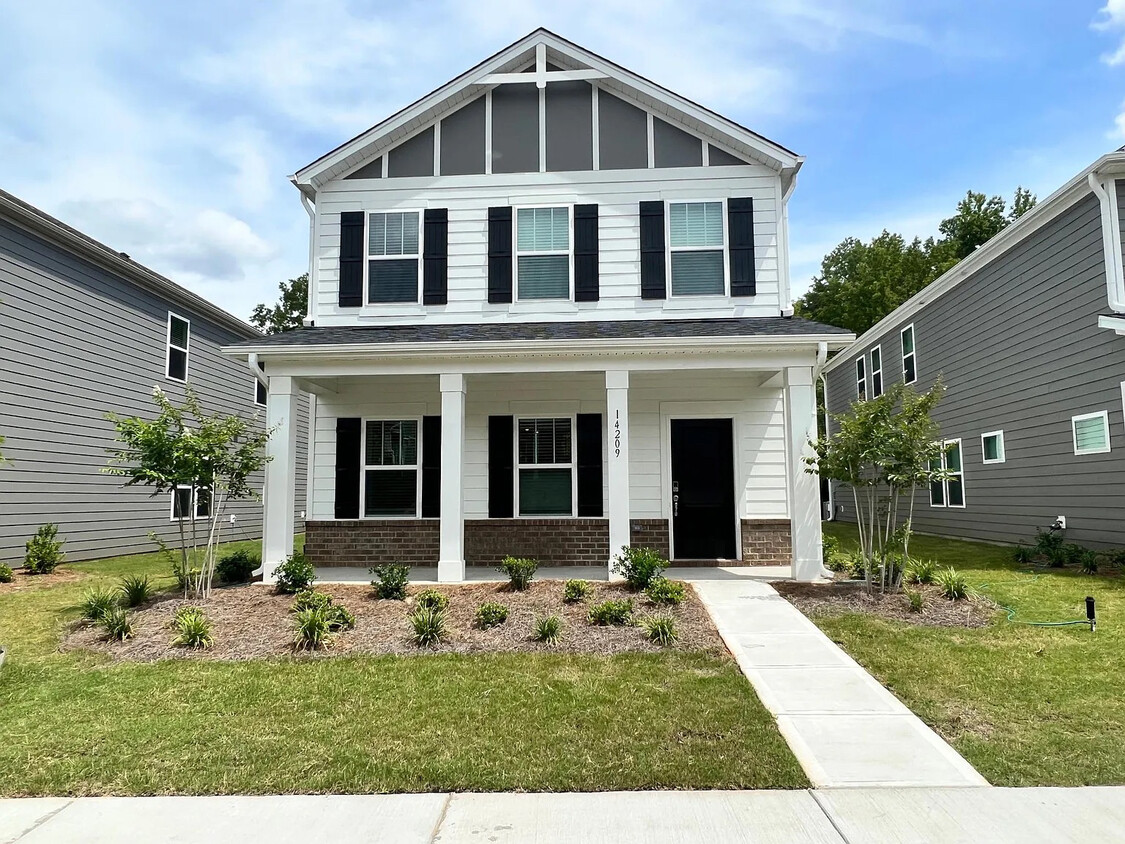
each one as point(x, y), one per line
point(1091, 433)
point(861, 378)
point(876, 372)
point(909, 359)
point(190, 503)
point(393, 255)
point(545, 467)
point(543, 253)
point(696, 241)
point(992, 446)
point(260, 388)
point(948, 491)
point(179, 336)
point(390, 468)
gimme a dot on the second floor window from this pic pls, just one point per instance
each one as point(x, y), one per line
point(176, 362)
point(860, 379)
point(393, 253)
point(543, 253)
point(876, 372)
point(695, 238)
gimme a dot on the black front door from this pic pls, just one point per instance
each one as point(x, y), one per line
point(703, 489)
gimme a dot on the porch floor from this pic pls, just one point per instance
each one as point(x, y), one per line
point(485, 574)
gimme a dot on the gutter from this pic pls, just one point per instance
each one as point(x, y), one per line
point(310, 317)
point(1111, 243)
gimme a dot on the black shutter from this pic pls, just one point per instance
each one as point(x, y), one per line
point(500, 467)
point(347, 468)
point(740, 227)
point(431, 467)
point(435, 257)
point(499, 255)
point(351, 259)
point(589, 441)
point(653, 284)
point(585, 253)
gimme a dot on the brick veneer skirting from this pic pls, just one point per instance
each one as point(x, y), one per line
point(766, 542)
point(553, 542)
point(372, 542)
point(649, 533)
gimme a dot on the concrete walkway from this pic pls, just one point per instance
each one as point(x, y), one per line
point(843, 726)
point(834, 816)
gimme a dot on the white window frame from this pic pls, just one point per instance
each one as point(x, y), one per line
point(861, 378)
point(960, 474)
point(258, 385)
point(172, 517)
point(873, 372)
point(669, 249)
point(1101, 414)
point(1001, 450)
point(368, 257)
point(573, 465)
point(169, 345)
point(364, 468)
point(569, 206)
point(913, 354)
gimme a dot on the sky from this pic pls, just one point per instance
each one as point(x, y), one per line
point(168, 130)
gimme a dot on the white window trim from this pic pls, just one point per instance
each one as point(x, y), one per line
point(1000, 439)
point(873, 371)
point(172, 517)
point(669, 249)
point(368, 257)
point(1101, 414)
point(573, 465)
point(861, 378)
point(960, 474)
point(569, 206)
point(169, 345)
point(364, 468)
point(913, 354)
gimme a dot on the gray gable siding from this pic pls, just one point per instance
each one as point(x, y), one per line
point(1019, 349)
point(76, 342)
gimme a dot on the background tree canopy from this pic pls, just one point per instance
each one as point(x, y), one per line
point(290, 310)
point(860, 283)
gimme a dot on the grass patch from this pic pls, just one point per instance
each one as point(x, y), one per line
point(1025, 705)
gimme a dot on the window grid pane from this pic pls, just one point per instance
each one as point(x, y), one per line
point(545, 492)
point(543, 230)
point(696, 224)
point(544, 441)
point(697, 273)
point(544, 276)
point(391, 493)
point(393, 233)
point(179, 332)
point(393, 280)
point(1090, 434)
point(992, 448)
point(391, 443)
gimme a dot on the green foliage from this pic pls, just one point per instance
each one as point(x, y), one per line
point(6, 573)
point(295, 574)
point(952, 584)
point(313, 629)
point(97, 602)
point(340, 618)
point(520, 571)
point(390, 580)
point(1023, 555)
point(135, 589)
point(335, 616)
point(839, 561)
point(311, 599)
point(611, 613)
point(920, 571)
point(917, 600)
point(237, 567)
point(44, 550)
point(432, 599)
point(1048, 543)
point(661, 629)
point(547, 629)
point(664, 591)
point(185, 577)
point(639, 566)
point(116, 623)
point(428, 624)
point(290, 310)
point(490, 614)
point(575, 591)
point(182, 612)
point(1087, 561)
point(193, 629)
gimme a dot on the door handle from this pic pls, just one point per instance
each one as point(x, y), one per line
point(675, 506)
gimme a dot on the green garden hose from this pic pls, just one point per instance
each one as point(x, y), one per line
point(1012, 610)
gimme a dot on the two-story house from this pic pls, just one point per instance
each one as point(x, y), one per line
point(549, 316)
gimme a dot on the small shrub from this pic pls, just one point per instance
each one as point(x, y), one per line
point(432, 599)
point(340, 618)
point(44, 550)
point(952, 584)
point(117, 624)
point(920, 571)
point(135, 590)
point(830, 547)
point(661, 629)
point(639, 566)
point(237, 567)
point(1047, 542)
point(390, 581)
point(310, 599)
point(917, 600)
point(429, 626)
point(1023, 555)
point(295, 574)
point(520, 571)
point(314, 629)
point(193, 629)
point(6, 573)
point(1117, 559)
point(97, 603)
point(547, 629)
point(611, 613)
point(664, 591)
point(490, 614)
point(183, 612)
point(1088, 561)
point(575, 591)
point(839, 562)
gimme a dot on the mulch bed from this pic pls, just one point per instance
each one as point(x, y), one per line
point(251, 622)
point(844, 597)
point(23, 579)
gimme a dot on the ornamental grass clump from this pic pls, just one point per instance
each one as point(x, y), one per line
point(313, 629)
point(919, 571)
point(916, 599)
point(390, 581)
point(117, 624)
point(547, 629)
point(309, 599)
point(520, 571)
point(661, 629)
point(490, 614)
point(97, 602)
point(428, 624)
point(135, 590)
point(952, 584)
point(193, 629)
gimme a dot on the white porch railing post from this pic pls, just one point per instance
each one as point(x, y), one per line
point(451, 555)
point(617, 419)
point(281, 480)
point(804, 488)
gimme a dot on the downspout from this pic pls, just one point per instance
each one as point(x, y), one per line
point(1111, 244)
point(787, 305)
point(310, 209)
point(252, 362)
point(819, 374)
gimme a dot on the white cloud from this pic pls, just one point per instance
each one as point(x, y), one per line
point(1111, 18)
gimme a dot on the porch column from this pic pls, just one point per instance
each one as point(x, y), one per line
point(451, 555)
point(281, 479)
point(617, 418)
point(804, 489)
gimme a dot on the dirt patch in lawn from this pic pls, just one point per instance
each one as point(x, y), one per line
point(23, 580)
point(250, 622)
point(843, 597)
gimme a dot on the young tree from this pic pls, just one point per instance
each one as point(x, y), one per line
point(212, 455)
point(290, 310)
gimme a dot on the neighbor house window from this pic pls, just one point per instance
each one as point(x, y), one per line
point(393, 253)
point(992, 445)
point(949, 492)
point(695, 238)
point(543, 253)
point(260, 388)
point(190, 503)
point(909, 359)
point(390, 468)
point(1091, 433)
point(860, 379)
point(876, 372)
point(179, 336)
point(545, 467)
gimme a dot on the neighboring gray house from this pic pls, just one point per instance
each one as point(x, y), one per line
point(85, 331)
point(1027, 333)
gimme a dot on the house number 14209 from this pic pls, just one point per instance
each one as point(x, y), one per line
point(617, 434)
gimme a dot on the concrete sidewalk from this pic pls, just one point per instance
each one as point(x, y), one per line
point(832, 816)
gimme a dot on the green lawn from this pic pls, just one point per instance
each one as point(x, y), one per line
point(79, 724)
point(1025, 705)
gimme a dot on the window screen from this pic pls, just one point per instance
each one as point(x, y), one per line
point(695, 231)
point(393, 253)
point(543, 253)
